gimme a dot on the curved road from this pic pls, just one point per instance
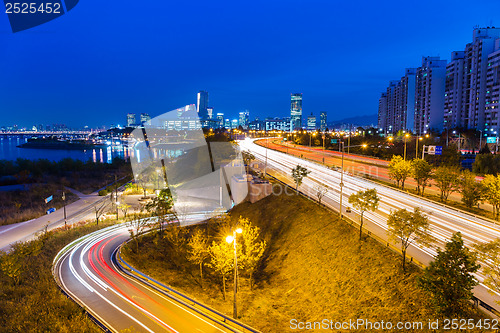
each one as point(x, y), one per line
point(87, 271)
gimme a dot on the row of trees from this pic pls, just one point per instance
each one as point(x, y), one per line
point(450, 277)
point(448, 179)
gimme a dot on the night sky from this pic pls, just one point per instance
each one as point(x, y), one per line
point(106, 58)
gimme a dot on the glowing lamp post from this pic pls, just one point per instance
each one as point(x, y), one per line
point(232, 239)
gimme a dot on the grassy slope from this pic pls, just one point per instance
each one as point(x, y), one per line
point(314, 268)
point(37, 304)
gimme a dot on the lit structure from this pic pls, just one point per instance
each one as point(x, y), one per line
point(202, 104)
point(130, 119)
point(296, 111)
point(322, 121)
point(145, 118)
point(311, 122)
point(429, 95)
point(278, 124)
point(244, 119)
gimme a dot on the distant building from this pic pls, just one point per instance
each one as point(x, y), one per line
point(296, 110)
point(202, 104)
point(492, 103)
point(244, 119)
point(131, 120)
point(382, 112)
point(322, 121)
point(454, 94)
point(311, 122)
point(145, 118)
point(278, 124)
point(220, 119)
point(210, 112)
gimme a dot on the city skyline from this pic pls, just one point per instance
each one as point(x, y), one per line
point(243, 65)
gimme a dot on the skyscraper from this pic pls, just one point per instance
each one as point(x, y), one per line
point(244, 119)
point(322, 121)
point(202, 104)
point(296, 110)
point(311, 122)
point(145, 118)
point(220, 119)
point(210, 112)
point(130, 119)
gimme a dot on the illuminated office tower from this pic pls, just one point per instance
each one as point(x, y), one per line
point(145, 118)
point(130, 119)
point(311, 122)
point(322, 121)
point(202, 104)
point(244, 119)
point(296, 110)
point(210, 112)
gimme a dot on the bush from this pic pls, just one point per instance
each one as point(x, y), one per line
point(103, 192)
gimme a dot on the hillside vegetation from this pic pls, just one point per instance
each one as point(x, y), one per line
point(314, 268)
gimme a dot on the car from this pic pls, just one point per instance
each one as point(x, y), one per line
point(348, 209)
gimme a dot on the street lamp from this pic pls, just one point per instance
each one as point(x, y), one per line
point(406, 136)
point(232, 239)
point(416, 149)
point(310, 138)
point(342, 173)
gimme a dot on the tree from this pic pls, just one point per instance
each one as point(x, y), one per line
point(409, 228)
point(446, 178)
point(99, 210)
point(298, 174)
point(124, 208)
point(470, 189)
point(321, 190)
point(161, 206)
point(492, 192)
point(198, 250)
point(363, 201)
point(449, 278)
point(399, 170)
point(489, 253)
point(12, 266)
point(222, 261)
point(251, 248)
point(137, 226)
point(422, 172)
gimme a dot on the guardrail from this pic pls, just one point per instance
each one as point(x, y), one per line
point(187, 301)
point(477, 302)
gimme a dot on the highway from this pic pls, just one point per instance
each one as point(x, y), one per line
point(444, 220)
point(358, 165)
point(88, 272)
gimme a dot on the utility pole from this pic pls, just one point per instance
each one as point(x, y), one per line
point(341, 179)
point(64, 208)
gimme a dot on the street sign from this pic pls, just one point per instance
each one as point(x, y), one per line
point(49, 199)
point(439, 150)
point(491, 139)
point(431, 150)
point(334, 141)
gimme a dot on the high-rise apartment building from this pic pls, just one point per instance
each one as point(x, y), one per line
point(382, 112)
point(322, 121)
point(202, 104)
point(131, 120)
point(492, 100)
point(454, 114)
point(220, 119)
point(467, 82)
point(296, 110)
point(429, 95)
